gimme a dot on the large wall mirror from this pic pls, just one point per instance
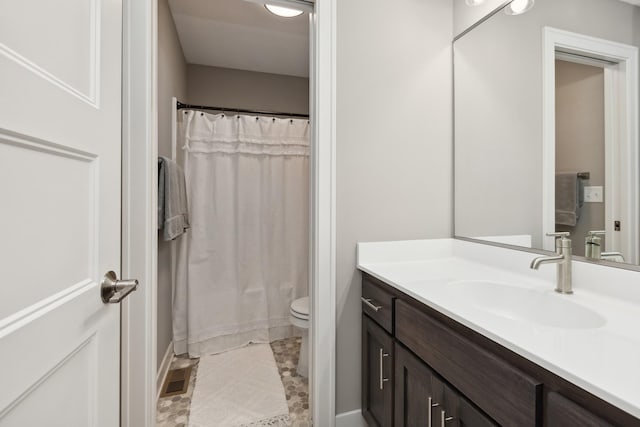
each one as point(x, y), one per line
point(546, 127)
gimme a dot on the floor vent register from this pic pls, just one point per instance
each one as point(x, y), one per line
point(177, 382)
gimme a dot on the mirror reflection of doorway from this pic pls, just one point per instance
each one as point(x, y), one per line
point(607, 113)
point(580, 150)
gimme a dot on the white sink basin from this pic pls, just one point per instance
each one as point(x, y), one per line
point(546, 308)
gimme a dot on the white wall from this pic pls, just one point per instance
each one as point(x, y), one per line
point(172, 81)
point(393, 145)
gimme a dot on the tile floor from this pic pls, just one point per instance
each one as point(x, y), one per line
point(296, 388)
point(174, 411)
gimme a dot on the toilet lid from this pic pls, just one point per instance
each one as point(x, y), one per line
point(300, 308)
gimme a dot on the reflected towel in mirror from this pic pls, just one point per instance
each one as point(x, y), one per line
point(569, 198)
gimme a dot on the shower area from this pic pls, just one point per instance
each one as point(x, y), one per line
point(245, 258)
point(233, 275)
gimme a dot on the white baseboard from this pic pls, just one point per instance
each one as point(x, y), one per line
point(350, 419)
point(164, 368)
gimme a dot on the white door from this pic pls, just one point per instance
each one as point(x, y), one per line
point(60, 115)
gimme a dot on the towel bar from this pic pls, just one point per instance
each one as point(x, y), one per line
point(584, 175)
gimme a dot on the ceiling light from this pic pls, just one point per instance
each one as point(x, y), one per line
point(474, 2)
point(285, 12)
point(517, 7)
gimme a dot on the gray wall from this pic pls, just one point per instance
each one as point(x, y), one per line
point(580, 138)
point(172, 81)
point(224, 87)
point(393, 145)
point(499, 111)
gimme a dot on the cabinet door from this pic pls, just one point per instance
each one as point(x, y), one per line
point(419, 394)
point(377, 374)
point(457, 411)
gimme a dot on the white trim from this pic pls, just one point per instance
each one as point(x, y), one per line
point(139, 213)
point(611, 159)
point(351, 419)
point(323, 266)
point(621, 82)
point(164, 368)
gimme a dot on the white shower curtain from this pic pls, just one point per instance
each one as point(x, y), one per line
point(246, 256)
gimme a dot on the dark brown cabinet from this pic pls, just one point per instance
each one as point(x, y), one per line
point(377, 374)
point(422, 398)
point(422, 368)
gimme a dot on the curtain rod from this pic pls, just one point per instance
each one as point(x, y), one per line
point(181, 106)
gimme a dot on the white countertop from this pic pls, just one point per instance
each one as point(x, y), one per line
point(604, 360)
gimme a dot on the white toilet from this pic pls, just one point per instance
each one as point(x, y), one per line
point(300, 318)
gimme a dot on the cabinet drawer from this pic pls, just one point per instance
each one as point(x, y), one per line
point(560, 412)
point(377, 303)
point(506, 394)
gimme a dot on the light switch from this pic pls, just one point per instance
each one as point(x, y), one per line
point(593, 194)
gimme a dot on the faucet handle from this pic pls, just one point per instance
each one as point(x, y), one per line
point(596, 233)
point(562, 240)
point(559, 234)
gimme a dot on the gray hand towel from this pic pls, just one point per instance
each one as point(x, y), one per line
point(569, 198)
point(173, 214)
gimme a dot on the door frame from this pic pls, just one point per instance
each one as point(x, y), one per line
point(139, 213)
point(139, 222)
point(621, 134)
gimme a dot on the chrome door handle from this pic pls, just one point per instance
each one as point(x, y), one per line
point(370, 304)
point(382, 378)
point(113, 290)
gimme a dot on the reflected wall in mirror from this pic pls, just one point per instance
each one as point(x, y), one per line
point(546, 128)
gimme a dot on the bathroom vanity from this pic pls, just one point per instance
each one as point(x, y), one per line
point(456, 333)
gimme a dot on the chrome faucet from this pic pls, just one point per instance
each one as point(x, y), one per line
point(562, 258)
point(614, 256)
point(593, 247)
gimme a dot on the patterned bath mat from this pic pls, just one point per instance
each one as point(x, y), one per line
point(239, 388)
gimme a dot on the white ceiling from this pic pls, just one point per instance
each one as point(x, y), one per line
point(243, 35)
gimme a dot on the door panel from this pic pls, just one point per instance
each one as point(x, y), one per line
point(51, 206)
point(75, 407)
point(58, 40)
point(60, 168)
